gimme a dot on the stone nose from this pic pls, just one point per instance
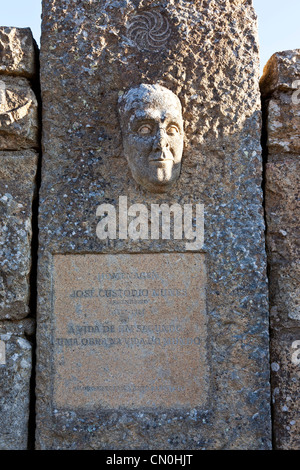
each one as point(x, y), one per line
point(161, 140)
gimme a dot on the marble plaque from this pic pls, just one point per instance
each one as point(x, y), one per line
point(129, 330)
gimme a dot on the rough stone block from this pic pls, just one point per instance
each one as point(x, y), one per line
point(17, 52)
point(283, 124)
point(19, 126)
point(280, 87)
point(280, 72)
point(283, 233)
point(15, 374)
point(17, 189)
point(282, 209)
point(285, 390)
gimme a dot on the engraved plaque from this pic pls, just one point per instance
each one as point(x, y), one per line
point(129, 330)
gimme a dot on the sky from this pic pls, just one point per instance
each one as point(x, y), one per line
point(278, 22)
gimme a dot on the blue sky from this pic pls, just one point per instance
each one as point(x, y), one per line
point(278, 26)
point(278, 21)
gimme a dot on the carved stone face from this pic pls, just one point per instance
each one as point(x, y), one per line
point(152, 130)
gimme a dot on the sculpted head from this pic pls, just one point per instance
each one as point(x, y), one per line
point(152, 131)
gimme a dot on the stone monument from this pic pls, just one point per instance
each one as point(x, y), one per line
point(145, 340)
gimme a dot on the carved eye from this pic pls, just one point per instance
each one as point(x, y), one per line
point(172, 130)
point(145, 129)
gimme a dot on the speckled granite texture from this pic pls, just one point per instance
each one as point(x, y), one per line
point(209, 58)
point(19, 142)
point(280, 87)
point(15, 374)
point(18, 52)
point(19, 126)
point(17, 190)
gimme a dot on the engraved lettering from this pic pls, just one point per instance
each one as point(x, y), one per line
point(115, 326)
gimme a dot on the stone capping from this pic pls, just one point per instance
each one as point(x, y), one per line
point(18, 52)
point(281, 70)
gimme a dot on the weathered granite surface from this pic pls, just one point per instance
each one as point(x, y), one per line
point(19, 126)
point(280, 86)
point(15, 373)
point(17, 190)
point(17, 52)
point(19, 140)
point(285, 389)
point(207, 55)
point(282, 214)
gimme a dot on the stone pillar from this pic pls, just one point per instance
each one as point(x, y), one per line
point(280, 87)
point(19, 142)
point(151, 343)
point(15, 373)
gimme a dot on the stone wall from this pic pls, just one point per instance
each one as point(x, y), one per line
point(280, 86)
point(19, 144)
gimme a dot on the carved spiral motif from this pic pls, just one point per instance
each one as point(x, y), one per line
point(150, 31)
